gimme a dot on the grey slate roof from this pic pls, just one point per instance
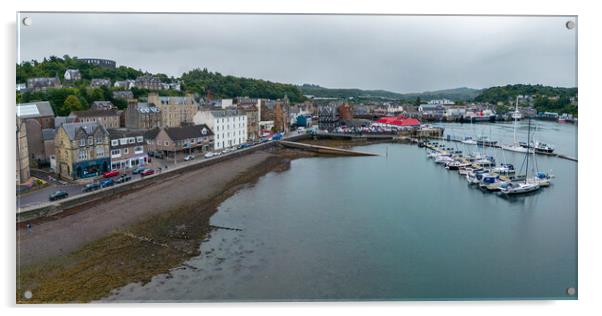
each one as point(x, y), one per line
point(186, 132)
point(89, 128)
point(48, 133)
point(34, 110)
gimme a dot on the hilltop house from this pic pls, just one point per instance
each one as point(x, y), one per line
point(72, 75)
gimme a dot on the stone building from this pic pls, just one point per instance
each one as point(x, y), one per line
point(148, 82)
point(82, 150)
point(252, 121)
point(106, 63)
point(97, 83)
point(187, 139)
point(36, 117)
point(107, 118)
point(23, 174)
point(102, 105)
point(123, 94)
point(41, 84)
point(175, 111)
point(328, 117)
point(142, 115)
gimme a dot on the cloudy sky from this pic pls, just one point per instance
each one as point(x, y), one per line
point(396, 53)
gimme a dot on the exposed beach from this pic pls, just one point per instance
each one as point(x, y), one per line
point(81, 256)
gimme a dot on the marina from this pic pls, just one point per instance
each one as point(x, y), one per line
point(380, 212)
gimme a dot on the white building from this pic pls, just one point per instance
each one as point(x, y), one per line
point(229, 127)
point(226, 103)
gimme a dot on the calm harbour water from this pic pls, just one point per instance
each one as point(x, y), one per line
point(387, 228)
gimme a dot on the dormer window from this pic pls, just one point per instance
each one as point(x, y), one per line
point(82, 142)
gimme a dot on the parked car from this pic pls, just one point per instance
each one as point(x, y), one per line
point(210, 155)
point(243, 146)
point(300, 129)
point(57, 195)
point(123, 178)
point(147, 172)
point(189, 157)
point(138, 170)
point(91, 187)
point(110, 174)
point(106, 183)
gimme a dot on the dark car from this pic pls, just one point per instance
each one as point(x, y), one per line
point(123, 178)
point(58, 195)
point(243, 146)
point(106, 183)
point(138, 170)
point(91, 187)
point(147, 172)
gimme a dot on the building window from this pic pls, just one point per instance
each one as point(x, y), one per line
point(114, 142)
point(138, 149)
point(123, 141)
point(83, 154)
point(82, 142)
point(125, 151)
point(100, 152)
point(115, 152)
point(99, 140)
point(166, 143)
point(90, 141)
point(139, 139)
point(131, 140)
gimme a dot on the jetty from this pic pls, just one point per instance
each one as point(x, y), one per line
point(324, 149)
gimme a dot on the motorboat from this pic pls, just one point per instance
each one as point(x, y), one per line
point(513, 188)
point(485, 141)
point(504, 168)
point(469, 141)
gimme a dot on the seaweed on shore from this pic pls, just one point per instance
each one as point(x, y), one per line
point(136, 253)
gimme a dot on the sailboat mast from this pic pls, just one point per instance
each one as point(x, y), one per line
point(515, 119)
point(528, 148)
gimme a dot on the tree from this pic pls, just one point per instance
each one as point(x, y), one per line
point(72, 103)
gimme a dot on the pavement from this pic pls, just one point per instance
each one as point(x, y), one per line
point(75, 187)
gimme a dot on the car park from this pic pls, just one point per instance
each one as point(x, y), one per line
point(91, 187)
point(147, 172)
point(110, 174)
point(57, 195)
point(107, 183)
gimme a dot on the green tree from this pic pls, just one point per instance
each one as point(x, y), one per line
point(72, 103)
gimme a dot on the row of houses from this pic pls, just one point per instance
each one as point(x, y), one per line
point(148, 82)
point(86, 143)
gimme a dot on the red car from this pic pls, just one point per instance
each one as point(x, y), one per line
point(147, 172)
point(110, 174)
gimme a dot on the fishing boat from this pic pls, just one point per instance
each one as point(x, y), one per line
point(443, 159)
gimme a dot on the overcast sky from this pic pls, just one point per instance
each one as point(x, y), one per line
point(396, 53)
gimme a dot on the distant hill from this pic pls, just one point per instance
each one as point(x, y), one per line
point(457, 94)
point(509, 92)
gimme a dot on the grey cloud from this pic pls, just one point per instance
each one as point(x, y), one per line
point(397, 53)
